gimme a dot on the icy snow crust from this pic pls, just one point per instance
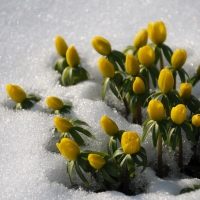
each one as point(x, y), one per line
point(30, 165)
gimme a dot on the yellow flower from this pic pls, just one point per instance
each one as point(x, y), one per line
point(106, 67)
point(54, 103)
point(156, 110)
point(61, 46)
point(96, 161)
point(68, 148)
point(101, 45)
point(16, 93)
point(62, 124)
point(138, 86)
point(72, 57)
point(178, 114)
point(132, 65)
point(109, 126)
point(130, 142)
point(140, 39)
point(198, 71)
point(196, 120)
point(178, 58)
point(165, 81)
point(185, 90)
point(157, 32)
point(146, 56)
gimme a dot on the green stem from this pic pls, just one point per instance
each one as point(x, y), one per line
point(174, 81)
point(160, 170)
point(167, 111)
point(180, 156)
point(137, 116)
point(126, 106)
point(161, 61)
point(126, 181)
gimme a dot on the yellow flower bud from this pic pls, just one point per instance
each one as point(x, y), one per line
point(198, 71)
point(138, 86)
point(68, 148)
point(106, 67)
point(146, 55)
point(72, 57)
point(196, 120)
point(140, 39)
point(178, 58)
point(61, 46)
point(16, 93)
point(157, 32)
point(101, 45)
point(130, 142)
point(62, 124)
point(156, 110)
point(165, 81)
point(185, 90)
point(96, 161)
point(54, 103)
point(132, 65)
point(109, 126)
point(178, 114)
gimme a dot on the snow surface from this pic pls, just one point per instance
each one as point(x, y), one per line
point(31, 167)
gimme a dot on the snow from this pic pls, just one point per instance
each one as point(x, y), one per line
point(31, 167)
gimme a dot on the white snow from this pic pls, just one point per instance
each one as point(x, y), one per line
point(30, 167)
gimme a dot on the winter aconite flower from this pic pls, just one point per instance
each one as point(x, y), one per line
point(96, 161)
point(109, 126)
point(61, 46)
point(72, 57)
point(62, 124)
point(178, 114)
point(54, 103)
point(157, 32)
point(138, 86)
point(68, 148)
point(101, 45)
point(196, 120)
point(106, 67)
point(16, 93)
point(185, 90)
point(165, 81)
point(146, 55)
point(132, 65)
point(130, 142)
point(178, 58)
point(140, 39)
point(156, 110)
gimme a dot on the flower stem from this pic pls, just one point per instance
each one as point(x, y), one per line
point(161, 61)
point(180, 156)
point(126, 106)
point(160, 170)
point(137, 116)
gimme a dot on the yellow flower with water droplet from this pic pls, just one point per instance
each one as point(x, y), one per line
point(62, 124)
point(130, 142)
point(16, 93)
point(96, 161)
point(61, 46)
point(101, 45)
point(157, 32)
point(68, 148)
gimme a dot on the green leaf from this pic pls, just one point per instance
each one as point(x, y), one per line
point(78, 139)
point(119, 61)
point(84, 131)
point(153, 76)
point(130, 166)
point(112, 170)
point(79, 172)
point(111, 59)
point(34, 98)
point(119, 54)
point(147, 129)
point(155, 132)
point(100, 180)
point(26, 104)
point(186, 190)
point(133, 102)
point(157, 54)
point(196, 187)
point(60, 64)
point(118, 152)
point(127, 85)
point(70, 79)
point(64, 76)
point(181, 75)
point(102, 154)
point(107, 176)
point(114, 89)
point(167, 52)
point(70, 165)
point(104, 87)
point(77, 122)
